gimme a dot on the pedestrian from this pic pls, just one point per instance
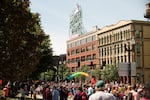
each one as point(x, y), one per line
point(55, 93)
point(48, 93)
point(134, 93)
point(84, 95)
point(23, 92)
point(31, 90)
point(70, 96)
point(78, 95)
point(90, 90)
point(146, 92)
point(5, 92)
point(100, 94)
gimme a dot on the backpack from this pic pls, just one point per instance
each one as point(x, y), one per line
point(129, 97)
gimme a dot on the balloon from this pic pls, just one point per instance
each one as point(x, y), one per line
point(78, 74)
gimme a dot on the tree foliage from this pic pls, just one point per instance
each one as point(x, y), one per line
point(46, 61)
point(63, 72)
point(97, 73)
point(21, 36)
point(110, 72)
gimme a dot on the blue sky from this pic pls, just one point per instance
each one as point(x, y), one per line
point(55, 16)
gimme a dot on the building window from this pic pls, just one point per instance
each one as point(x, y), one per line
point(102, 52)
point(124, 34)
point(88, 57)
point(73, 69)
point(137, 33)
point(72, 60)
point(77, 51)
point(107, 39)
point(102, 40)
point(68, 53)
point(121, 35)
point(115, 60)
point(82, 50)
point(138, 47)
point(72, 52)
point(107, 50)
point(89, 39)
point(110, 51)
point(125, 58)
point(118, 36)
point(99, 41)
point(110, 38)
point(88, 48)
point(118, 59)
point(69, 61)
point(94, 37)
point(110, 60)
point(77, 59)
point(118, 48)
point(128, 32)
point(93, 47)
point(121, 58)
point(94, 56)
point(115, 49)
point(121, 48)
point(83, 58)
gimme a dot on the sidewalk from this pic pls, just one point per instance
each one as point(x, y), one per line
point(18, 96)
point(28, 97)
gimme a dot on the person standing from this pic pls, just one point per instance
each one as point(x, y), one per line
point(48, 93)
point(23, 92)
point(78, 95)
point(100, 94)
point(55, 93)
point(90, 90)
point(146, 92)
point(5, 92)
point(84, 95)
point(70, 96)
point(134, 93)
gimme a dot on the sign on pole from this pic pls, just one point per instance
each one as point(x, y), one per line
point(124, 69)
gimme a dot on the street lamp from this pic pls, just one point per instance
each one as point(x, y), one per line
point(56, 74)
point(128, 49)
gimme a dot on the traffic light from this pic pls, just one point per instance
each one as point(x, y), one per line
point(78, 63)
point(91, 63)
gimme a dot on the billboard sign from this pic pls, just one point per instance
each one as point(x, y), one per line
point(124, 68)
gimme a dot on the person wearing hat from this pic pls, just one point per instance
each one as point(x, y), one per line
point(100, 94)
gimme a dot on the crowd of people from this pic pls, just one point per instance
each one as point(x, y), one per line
point(101, 90)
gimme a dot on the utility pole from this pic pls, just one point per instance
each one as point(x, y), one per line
point(129, 62)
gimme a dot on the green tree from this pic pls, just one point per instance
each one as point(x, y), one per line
point(97, 73)
point(20, 38)
point(64, 72)
point(46, 60)
point(47, 76)
point(85, 69)
point(110, 72)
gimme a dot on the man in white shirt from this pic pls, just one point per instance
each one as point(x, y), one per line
point(100, 94)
